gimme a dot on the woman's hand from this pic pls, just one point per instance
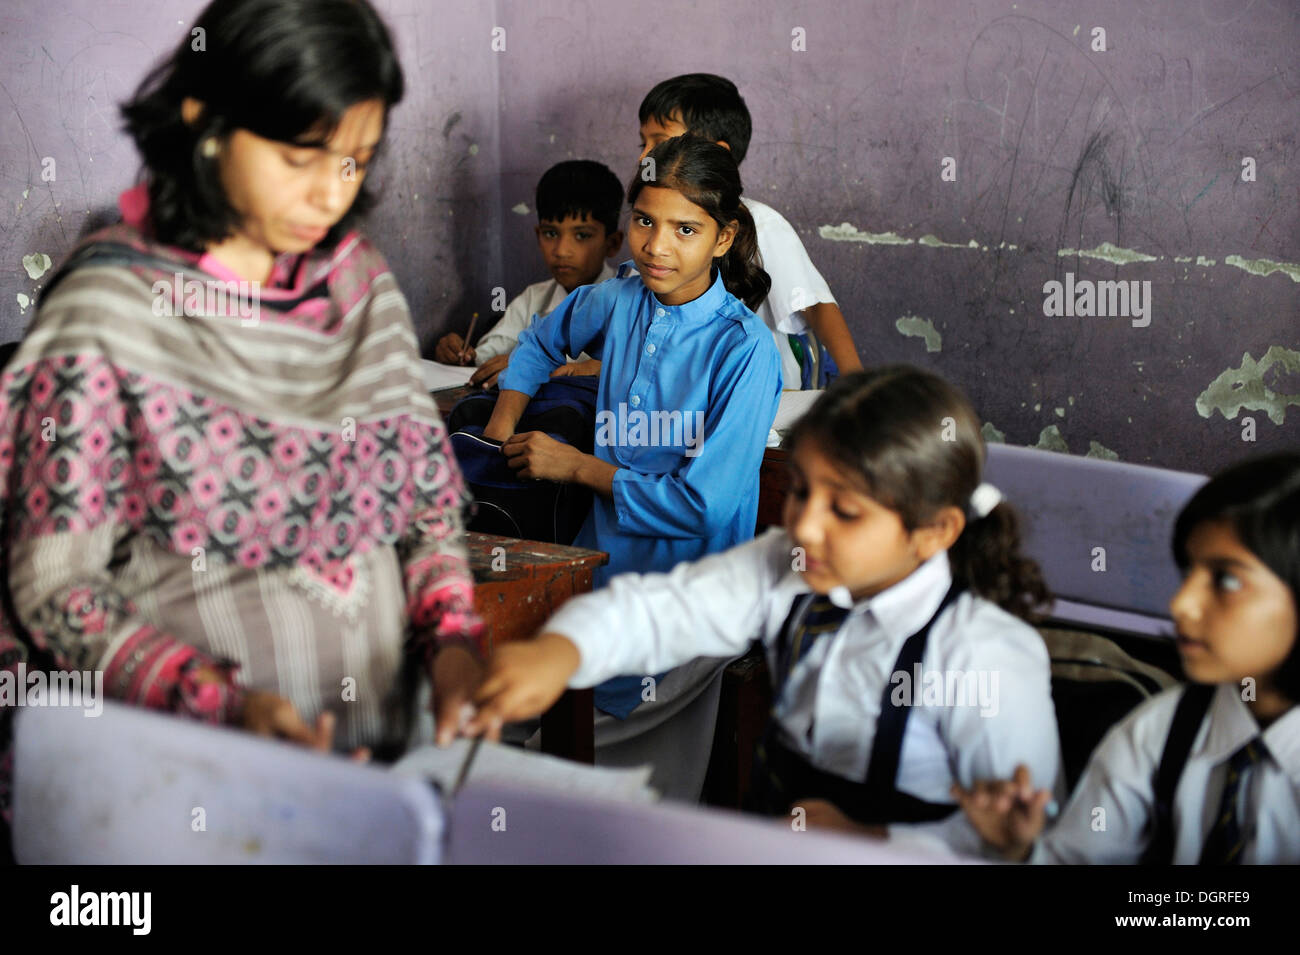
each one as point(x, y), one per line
point(536, 455)
point(821, 814)
point(267, 714)
point(456, 676)
point(451, 350)
point(589, 367)
point(489, 371)
point(1008, 814)
point(523, 680)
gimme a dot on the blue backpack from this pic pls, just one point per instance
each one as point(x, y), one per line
point(505, 504)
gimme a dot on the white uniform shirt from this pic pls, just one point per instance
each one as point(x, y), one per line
point(1118, 790)
point(536, 301)
point(796, 283)
point(714, 607)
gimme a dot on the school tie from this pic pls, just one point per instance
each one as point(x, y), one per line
point(1224, 844)
point(822, 617)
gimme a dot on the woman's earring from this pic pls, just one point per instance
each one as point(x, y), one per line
point(210, 147)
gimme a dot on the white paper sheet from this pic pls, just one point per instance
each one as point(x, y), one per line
point(509, 764)
point(438, 376)
point(794, 405)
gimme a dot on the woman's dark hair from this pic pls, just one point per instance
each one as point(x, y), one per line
point(913, 441)
point(705, 173)
point(1260, 500)
point(285, 70)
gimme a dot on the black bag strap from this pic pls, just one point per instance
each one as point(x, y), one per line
point(1192, 707)
point(887, 746)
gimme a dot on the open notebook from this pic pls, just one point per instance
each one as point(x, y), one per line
point(498, 763)
point(438, 377)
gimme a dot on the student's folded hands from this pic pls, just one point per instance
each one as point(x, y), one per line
point(523, 680)
point(1008, 814)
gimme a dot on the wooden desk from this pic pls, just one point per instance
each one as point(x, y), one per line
point(517, 586)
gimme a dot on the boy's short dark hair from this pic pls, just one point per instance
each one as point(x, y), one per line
point(707, 105)
point(578, 188)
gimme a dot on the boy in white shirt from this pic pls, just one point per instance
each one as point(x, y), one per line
point(578, 205)
point(711, 106)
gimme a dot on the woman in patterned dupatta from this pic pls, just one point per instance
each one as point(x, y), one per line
point(223, 484)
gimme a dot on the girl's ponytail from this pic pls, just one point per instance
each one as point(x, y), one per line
point(742, 266)
point(987, 558)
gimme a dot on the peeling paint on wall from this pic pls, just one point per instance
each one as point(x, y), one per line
point(992, 435)
point(1049, 439)
point(1110, 253)
point(1098, 450)
point(520, 209)
point(934, 242)
point(23, 302)
point(1244, 387)
point(845, 232)
point(916, 327)
point(1203, 262)
point(36, 264)
point(1264, 266)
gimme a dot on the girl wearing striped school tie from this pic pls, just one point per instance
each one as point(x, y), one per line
point(888, 606)
point(1208, 772)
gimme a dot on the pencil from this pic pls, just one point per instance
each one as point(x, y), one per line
point(468, 335)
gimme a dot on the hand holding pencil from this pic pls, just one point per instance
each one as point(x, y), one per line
point(454, 350)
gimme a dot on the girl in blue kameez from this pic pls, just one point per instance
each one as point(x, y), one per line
point(689, 385)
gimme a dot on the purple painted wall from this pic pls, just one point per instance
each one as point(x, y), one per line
point(1056, 147)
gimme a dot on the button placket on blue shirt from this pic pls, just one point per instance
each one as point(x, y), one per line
point(647, 367)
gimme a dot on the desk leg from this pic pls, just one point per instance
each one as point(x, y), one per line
point(567, 727)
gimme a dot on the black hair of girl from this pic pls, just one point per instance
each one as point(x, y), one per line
point(913, 442)
point(1260, 500)
point(285, 70)
point(706, 174)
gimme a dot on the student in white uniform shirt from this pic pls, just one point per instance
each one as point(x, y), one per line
point(578, 206)
point(710, 106)
point(888, 528)
point(1208, 772)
